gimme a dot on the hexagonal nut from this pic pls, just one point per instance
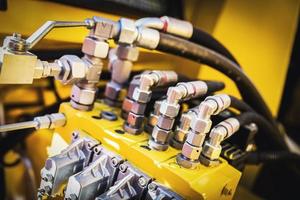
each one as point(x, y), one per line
point(43, 122)
point(57, 120)
point(200, 125)
point(93, 69)
point(141, 96)
point(138, 108)
point(152, 121)
point(127, 52)
point(94, 47)
point(135, 120)
point(186, 163)
point(159, 135)
point(207, 162)
point(170, 110)
point(165, 122)
point(127, 104)
point(83, 96)
point(73, 69)
point(65, 69)
point(180, 135)
point(157, 146)
point(132, 130)
point(191, 152)
point(195, 138)
point(128, 32)
point(121, 70)
point(211, 152)
point(112, 91)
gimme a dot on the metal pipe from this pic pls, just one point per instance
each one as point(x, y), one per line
point(18, 126)
point(49, 25)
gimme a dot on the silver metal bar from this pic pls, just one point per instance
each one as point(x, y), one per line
point(18, 126)
point(49, 25)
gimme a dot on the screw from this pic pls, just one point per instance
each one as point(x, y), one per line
point(47, 189)
point(114, 161)
point(17, 35)
point(152, 187)
point(142, 181)
point(123, 168)
point(226, 191)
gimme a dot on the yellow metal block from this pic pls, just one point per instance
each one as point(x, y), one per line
point(201, 183)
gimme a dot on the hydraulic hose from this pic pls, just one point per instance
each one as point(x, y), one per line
point(240, 105)
point(276, 156)
point(198, 53)
point(213, 86)
point(202, 38)
point(264, 127)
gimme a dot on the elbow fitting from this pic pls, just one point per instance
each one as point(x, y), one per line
point(200, 126)
point(183, 129)
point(120, 63)
point(212, 148)
point(142, 96)
point(169, 110)
point(168, 24)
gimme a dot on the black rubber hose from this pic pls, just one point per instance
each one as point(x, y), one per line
point(240, 105)
point(276, 156)
point(201, 37)
point(214, 86)
point(192, 51)
point(264, 127)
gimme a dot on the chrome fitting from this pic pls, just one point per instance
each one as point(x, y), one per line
point(177, 27)
point(73, 69)
point(83, 96)
point(142, 94)
point(153, 118)
point(128, 31)
point(182, 130)
point(170, 107)
point(201, 124)
point(93, 46)
point(147, 38)
point(212, 148)
point(105, 28)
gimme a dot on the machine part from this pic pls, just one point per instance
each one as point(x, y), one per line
point(200, 126)
point(96, 178)
point(168, 24)
point(120, 64)
point(142, 95)
point(83, 96)
point(152, 119)
point(127, 103)
point(182, 130)
point(160, 166)
point(60, 167)
point(16, 63)
point(212, 148)
point(130, 184)
point(186, 30)
point(50, 121)
point(158, 191)
point(169, 110)
point(189, 50)
point(49, 25)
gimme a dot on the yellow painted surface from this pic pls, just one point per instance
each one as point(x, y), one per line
point(203, 182)
point(260, 34)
